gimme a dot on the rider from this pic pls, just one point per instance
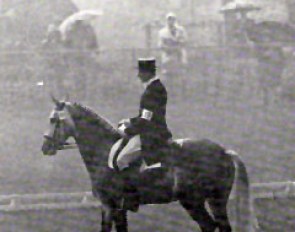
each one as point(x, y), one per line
point(150, 124)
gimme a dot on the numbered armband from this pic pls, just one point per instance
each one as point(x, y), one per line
point(146, 114)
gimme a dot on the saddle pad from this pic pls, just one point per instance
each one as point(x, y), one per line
point(180, 142)
point(132, 146)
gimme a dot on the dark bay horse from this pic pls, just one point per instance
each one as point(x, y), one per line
point(201, 171)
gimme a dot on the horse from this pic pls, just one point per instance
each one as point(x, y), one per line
point(197, 172)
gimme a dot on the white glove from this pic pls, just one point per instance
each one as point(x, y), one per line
point(121, 129)
point(125, 122)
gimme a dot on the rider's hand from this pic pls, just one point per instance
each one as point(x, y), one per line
point(121, 129)
point(125, 122)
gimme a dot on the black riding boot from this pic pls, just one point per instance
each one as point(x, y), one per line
point(131, 194)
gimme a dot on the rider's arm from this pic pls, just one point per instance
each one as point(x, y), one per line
point(150, 104)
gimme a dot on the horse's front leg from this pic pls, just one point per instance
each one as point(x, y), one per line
point(121, 221)
point(106, 218)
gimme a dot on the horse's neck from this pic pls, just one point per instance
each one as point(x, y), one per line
point(94, 142)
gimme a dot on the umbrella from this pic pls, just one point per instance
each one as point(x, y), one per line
point(271, 32)
point(238, 6)
point(84, 15)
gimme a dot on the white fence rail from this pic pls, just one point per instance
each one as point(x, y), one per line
point(51, 201)
point(274, 190)
point(47, 201)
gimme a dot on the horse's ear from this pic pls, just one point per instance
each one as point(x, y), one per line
point(55, 101)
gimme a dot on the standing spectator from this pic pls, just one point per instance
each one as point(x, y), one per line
point(81, 36)
point(52, 47)
point(271, 64)
point(288, 80)
point(80, 41)
point(172, 40)
point(53, 38)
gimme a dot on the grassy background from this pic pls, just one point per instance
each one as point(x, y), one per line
point(216, 98)
point(164, 218)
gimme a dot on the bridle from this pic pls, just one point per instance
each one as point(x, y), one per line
point(50, 138)
point(57, 120)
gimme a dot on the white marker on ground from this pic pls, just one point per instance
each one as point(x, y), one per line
point(40, 83)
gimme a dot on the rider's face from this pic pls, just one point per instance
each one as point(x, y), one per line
point(144, 76)
point(171, 21)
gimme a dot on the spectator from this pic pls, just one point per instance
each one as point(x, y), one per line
point(271, 65)
point(172, 39)
point(80, 41)
point(54, 62)
point(53, 38)
point(81, 36)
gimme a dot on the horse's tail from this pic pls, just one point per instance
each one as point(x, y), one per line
point(246, 220)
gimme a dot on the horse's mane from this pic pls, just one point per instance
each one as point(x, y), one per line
point(93, 118)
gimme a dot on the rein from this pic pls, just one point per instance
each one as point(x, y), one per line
point(65, 146)
point(68, 146)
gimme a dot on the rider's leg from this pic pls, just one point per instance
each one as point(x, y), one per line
point(155, 153)
point(125, 160)
point(131, 194)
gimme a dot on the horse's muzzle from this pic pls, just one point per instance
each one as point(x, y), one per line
point(49, 147)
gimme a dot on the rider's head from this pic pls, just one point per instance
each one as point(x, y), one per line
point(146, 68)
point(171, 19)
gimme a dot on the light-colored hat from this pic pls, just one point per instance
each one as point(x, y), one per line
point(170, 15)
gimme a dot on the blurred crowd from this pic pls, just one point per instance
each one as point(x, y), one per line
point(72, 52)
point(76, 49)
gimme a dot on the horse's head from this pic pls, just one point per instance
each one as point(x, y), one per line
point(61, 128)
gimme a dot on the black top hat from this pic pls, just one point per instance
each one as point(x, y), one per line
point(146, 64)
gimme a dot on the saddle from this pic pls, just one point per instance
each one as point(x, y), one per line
point(139, 165)
point(125, 155)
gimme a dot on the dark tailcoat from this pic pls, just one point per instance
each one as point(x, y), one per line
point(153, 132)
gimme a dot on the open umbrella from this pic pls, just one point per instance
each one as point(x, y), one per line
point(239, 6)
point(84, 15)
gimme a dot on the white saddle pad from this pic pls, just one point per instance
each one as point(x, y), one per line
point(124, 158)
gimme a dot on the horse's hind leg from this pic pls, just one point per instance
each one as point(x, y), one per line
point(120, 218)
point(106, 218)
point(218, 205)
point(219, 211)
point(197, 210)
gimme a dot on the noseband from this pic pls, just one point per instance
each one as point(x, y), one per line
point(58, 144)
